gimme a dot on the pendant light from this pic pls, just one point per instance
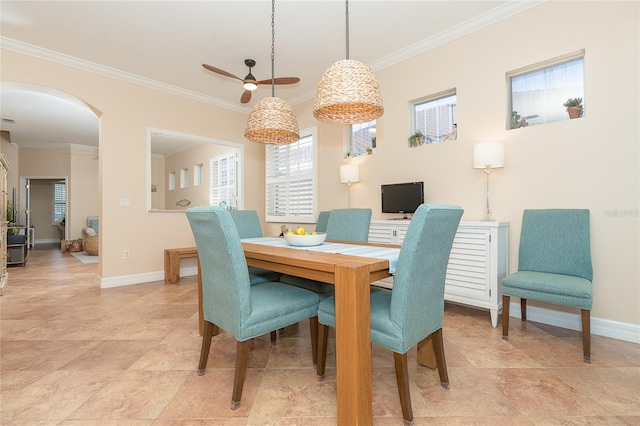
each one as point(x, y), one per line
point(272, 121)
point(348, 92)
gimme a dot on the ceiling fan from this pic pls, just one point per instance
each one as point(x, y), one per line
point(249, 82)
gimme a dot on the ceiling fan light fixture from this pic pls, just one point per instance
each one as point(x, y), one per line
point(250, 82)
point(272, 121)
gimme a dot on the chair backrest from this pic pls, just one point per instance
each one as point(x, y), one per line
point(225, 277)
point(417, 299)
point(247, 222)
point(556, 241)
point(323, 219)
point(349, 225)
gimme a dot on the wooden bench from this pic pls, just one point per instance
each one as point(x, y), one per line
point(172, 262)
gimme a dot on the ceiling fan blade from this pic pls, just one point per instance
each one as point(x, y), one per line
point(219, 71)
point(246, 97)
point(281, 80)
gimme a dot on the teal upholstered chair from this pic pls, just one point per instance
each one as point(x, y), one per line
point(343, 225)
point(248, 225)
point(349, 225)
point(230, 301)
point(554, 266)
point(321, 224)
point(414, 308)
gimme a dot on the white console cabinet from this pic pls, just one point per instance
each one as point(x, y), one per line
point(479, 260)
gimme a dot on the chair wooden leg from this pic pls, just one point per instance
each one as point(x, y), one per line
point(323, 339)
point(438, 348)
point(586, 335)
point(506, 301)
point(207, 334)
point(274, 336)
point(242, 357)
point(313, 329)
point(523, 309)
point(402, 378)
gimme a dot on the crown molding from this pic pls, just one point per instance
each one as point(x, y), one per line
point(37, 145)
point(61, 58)
point(509, 9)
point(512, 8)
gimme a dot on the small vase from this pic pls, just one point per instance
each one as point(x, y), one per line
point(574, 112)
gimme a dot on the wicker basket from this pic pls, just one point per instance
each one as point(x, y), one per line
point(272, 121)
point(91, 245)
point(348, 93)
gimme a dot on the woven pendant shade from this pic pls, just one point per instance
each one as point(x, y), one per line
point(273, 122)
point(348, 93)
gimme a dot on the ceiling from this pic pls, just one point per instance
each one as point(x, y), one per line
point(163, 44)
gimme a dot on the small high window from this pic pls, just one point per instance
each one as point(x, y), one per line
point(363, 138)
point(436, 117)
point(172, 181)
point(184, 178)
point(197, 174)
point(539, 92)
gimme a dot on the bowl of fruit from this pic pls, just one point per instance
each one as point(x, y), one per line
point(301, 238)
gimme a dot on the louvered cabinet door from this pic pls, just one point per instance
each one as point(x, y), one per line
point(478, 262)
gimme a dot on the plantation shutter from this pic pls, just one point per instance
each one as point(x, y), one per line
point(291, 182)
point(223, 180)
point(59, 201)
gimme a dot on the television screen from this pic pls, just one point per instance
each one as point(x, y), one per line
point(402, 197)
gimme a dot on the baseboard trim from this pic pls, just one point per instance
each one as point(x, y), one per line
point(599, 326)
point(46, 241)
point(147, 277)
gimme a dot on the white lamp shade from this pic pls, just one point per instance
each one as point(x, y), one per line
point(488, 154)
point(349, 173)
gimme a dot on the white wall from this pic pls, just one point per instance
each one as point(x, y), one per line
point(590, 163)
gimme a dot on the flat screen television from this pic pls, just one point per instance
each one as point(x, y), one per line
point(402, 197)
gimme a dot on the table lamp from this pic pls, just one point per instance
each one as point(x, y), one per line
point(488, 156)
point(349, 173)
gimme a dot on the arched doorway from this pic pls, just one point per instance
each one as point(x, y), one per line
point(50, 134)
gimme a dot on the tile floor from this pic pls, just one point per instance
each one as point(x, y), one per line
point(73, 354)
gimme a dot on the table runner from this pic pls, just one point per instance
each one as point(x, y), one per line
point(388, 253)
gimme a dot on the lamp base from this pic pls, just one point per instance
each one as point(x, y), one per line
point(488, 217)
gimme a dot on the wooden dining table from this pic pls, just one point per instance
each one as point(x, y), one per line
point(351, 276)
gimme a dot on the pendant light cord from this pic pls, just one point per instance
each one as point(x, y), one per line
point(273, 42)
point(347, 19)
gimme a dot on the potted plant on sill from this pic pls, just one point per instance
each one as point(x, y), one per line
point(369, 150)
point(574, 107)
point(416, 139)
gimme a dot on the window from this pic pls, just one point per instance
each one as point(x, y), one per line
point(223, 180)
point(436, 117)
point(172, 181)
point(363, 138)
point(197, 174)
point(291, 191)
point(184, 178)
point(539, 92)
point(59, 201)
